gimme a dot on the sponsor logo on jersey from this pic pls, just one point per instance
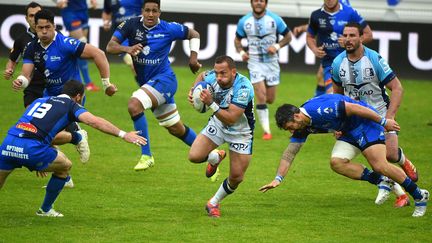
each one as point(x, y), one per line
point(55, 58)
point(240, 146)
point(76, 23)
point(146, 50)
point(26, 127)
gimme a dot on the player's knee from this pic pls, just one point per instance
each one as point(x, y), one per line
point(337, 164)
point(195, 156)
point(134, 107)
point(381, 168)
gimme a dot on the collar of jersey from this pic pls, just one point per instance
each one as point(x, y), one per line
point(64, 95)
point(31, 33)
point(55, 36)
point(142, 20)
point(303, 110)
point(340, 9)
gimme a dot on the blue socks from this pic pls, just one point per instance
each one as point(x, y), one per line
point(371, 176)
point(412, 188)
point(83, 67)
point(189, 136)
point(53, 189)
point(76, 138)
point(140, 124)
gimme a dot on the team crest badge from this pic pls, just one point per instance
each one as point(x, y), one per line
point(45, 57)
point(146, 50)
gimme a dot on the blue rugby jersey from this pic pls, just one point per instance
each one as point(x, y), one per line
point(122, 10)
point(153, 59)
point(46, 117)
point(75, 5)
point(329, 26)
point(58, 62)
point(328, 112)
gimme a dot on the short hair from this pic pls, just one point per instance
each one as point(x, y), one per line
point(227, 59)
point(32, 5)
point(355, 25)
point(152, 1)
point(73, 88)
point(285, 113)
point(266, 1)
point(44, 14)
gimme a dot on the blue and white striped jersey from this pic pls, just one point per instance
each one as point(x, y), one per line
point(364, 79)
point(261, 34)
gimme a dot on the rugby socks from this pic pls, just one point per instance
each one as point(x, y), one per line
point(320, 90)
point(397, 189)
point(140, 124)
point(371, 176)
point(53, 189)
point(83, 67)
point(76, 138)
point(224, 190)
point(412, 188)
point(401, 159)
point(189, 136)
point(263, 116)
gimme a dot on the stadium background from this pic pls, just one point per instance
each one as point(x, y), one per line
point(401, 32)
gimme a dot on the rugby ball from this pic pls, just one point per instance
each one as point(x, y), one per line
point(196, 92)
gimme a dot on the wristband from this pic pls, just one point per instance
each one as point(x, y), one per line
point(122, 134)
point(279, 178)
point(194, 44)
point(215, 107)
point(242, 53)
point(383, 121)
point(105, 83)
point(24, 81)
point(277, 47)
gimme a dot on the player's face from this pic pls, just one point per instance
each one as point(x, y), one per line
point(258, 6)
point(151, 14)
point(224, 75)
point(331, 5)
point(31, 12)
point(352, 39)
point(295, 125)
point(45, 31)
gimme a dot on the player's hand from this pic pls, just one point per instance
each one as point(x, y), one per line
point(269, 186)
point(338, 134)
point(244, 56)
point(17, 85)
point(93, 4)
point(8, 72)
point(297, 30)
point(107, 25)
point(135, 49)
point(62, 4)
point(272, 50)
point(206, 97)
point(392, 125)
point(194, 66)
point(41, 174)
point(319, 52)
point(190, 98)
point(133, 137)
point(111, 90)
point(341, 41)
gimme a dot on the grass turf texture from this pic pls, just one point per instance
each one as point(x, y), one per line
point(112, 203)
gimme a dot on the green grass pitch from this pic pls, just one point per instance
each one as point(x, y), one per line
point(113, 203)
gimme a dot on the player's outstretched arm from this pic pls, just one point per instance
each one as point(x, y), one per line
point(22, 81)
point(194, 44)
point(284, 165)
point(199, 78)
point(9, 70)
point(108, 128)
point(362, 111)
point(102, 64)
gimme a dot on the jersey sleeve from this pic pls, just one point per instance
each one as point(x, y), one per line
point(178, 31)
point(73, 46)
point(28, 56)
point(210, 77)
point(313, 25)
point(240, 33)
point(282, 27)
point(356, 17)
point(76, 111)
point(335, 70)
point(242, 94)
point(384, 72)
point(122, 31)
